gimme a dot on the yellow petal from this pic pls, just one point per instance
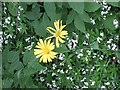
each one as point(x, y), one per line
point(56, 24)
point(45, 58)
point(38, 55)
point(57, 44)
point(50, 28)
point(51, 31)
point(49, 37)
point(49, 59)
point(63, 33)
point(62, 36)
point(62, 41)
point(61, 27)
point(41, 42)
point(37, 51)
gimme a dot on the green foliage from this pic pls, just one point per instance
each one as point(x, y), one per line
point(90, 56)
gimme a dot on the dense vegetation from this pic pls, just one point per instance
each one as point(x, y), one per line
point(89, 58)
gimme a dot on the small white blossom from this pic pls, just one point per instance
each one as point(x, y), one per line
point(107, 83)
point(99, 39)
point(103, 87)
point(102, 34)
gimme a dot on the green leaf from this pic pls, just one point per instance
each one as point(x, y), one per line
point(7, 83)
point(77, 6)
point(79, 24)
point(39, 28)
point(108, 22)
point(28, 56)
point(12, 9)
point(62, 49)
point(91, 6)
point(70, 17)
point(16, 65)
point(33, 14)
point(50, 9)
point(86, 17)
point(94, 45)
point(10, 56)
point(115, 4)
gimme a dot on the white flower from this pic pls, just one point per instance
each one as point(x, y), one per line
point(61, 71)
point(107, 83)
point(99, 39)
point(103, 87)
point(53, 74)
point(92, 20)
point(42, 79)
point(86, 83)
point(93, 83)
point(102, 34)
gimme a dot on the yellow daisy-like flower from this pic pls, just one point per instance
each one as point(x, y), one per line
point(58, 32)
point(44, 51)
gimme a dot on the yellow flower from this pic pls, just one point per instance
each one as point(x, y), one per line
point(44, 51)
point(58, 32)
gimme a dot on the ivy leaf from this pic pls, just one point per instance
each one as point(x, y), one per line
point(91, 6)
point(77, 6)
point(79, 24)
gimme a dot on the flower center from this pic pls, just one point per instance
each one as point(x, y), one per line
point(46, 50)
point(57, 33)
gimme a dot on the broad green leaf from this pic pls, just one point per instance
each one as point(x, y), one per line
point(94, 45)
point(7, 83)
point(28, 56)
point(108, 22)
point(71, 16)
point(33, 14)
point(62, 49)
point(10, 56)
point(50, 9)
point(77, 6)
point(39, 28)
point(116, 4)
point(79, 24)
point(12, 8)
point(16, 65)
point(86, 17)
point(91, 6)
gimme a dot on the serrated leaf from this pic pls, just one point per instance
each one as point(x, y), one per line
point(91, 6)
point(79, 24)
point(77, 6)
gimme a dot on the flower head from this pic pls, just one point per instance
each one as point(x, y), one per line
point(58, 32)
point(44, 51)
